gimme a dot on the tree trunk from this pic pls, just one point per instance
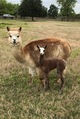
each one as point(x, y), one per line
point(32, 18)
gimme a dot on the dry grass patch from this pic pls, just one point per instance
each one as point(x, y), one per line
point(18, 100)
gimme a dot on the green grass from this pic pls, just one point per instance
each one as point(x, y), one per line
point(75, 53)
point(18, 99)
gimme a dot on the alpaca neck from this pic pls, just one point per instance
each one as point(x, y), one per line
point(41, 59)
point(19, 54)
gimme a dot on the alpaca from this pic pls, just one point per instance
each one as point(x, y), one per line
point(46, 65)
point(29, 54)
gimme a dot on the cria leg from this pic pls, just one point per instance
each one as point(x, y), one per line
point(44, 81)
point(61, 81)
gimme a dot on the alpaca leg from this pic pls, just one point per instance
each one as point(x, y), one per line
point(45, 82)
point(62, 83)
point(42, 81)
point(41, 77)
point(31, 74)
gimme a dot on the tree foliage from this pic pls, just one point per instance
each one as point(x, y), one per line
point(34, 8)
point(12, 8)
point(53, 11)
point(2, 6)
point(8, 8)
point(31, 8)
point(44, 11)
point(66, 9)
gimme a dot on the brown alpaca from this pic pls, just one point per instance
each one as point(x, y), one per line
point(29, 54)
point(46, 65)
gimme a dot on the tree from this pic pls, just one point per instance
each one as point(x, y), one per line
point(32, 8)
point(66, 9)
point(2, 6)
point(53, 11)
point(44, 11)
point(12, 8)
point(16, 8)
point(8, 8)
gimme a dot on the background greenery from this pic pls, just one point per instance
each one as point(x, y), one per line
point(35, 8)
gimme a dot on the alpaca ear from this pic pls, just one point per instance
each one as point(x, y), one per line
point(20, 29)
point(37, 46)
point(45, 47)
point(8, 29)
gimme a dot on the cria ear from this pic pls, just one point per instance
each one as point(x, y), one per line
point(38, 46)
point(8, 29)
point(45, 46)
point(20, 29)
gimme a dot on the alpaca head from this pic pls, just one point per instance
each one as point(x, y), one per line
point(42, 49)
point(14, 36)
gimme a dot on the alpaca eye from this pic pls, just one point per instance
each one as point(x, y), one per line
point(10, 36)
point(17, 36)
point(44, 50)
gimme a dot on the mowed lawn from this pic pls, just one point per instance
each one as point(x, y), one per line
point(18, 99)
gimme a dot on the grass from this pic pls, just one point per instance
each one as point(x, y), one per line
point(19, 100)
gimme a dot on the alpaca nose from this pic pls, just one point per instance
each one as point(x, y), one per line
point(42, 53)
point(14, 41)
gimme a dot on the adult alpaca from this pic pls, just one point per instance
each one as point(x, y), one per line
point(29, 54)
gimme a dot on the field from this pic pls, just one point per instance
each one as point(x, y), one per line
point(18, 99)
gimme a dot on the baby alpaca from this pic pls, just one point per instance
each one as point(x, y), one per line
point(46, 65)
